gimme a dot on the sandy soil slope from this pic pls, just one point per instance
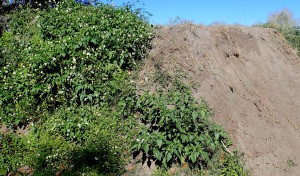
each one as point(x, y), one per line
point(250, 78)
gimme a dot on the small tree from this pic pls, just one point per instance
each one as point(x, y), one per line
point(284, 18)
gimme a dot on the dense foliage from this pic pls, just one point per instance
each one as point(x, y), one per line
point(64, 78)
point(69, 55)
point(68, 104)
point(177, 129)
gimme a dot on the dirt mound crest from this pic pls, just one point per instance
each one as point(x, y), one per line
point(250, 77)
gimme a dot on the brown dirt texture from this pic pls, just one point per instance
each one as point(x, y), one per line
point(249, 76)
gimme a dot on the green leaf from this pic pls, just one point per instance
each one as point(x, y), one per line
point(169, 157)
point(193, 157)
point(184, 137)
point(146, 148)
point(110, 54)
point(178, 125)
point(202, 114)
point(182, 159)
point(205, 156)
point(161, 121)
point(212, 146)
point(159, 142)
point(82, 97)
point(164, 162)
point(191, 137)
point(78, 88)
point(134, 146)
point(182, 108)
point(90, 97)
point(217, 136)
point(157, 154)
point(195, 115)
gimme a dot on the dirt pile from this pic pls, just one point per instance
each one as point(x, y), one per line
point(250, 78)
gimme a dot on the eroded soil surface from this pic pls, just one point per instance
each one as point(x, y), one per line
point(251, 79)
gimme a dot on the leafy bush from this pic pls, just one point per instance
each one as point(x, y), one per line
point(68, 55)
point(76, 140)
point(65, 69)
point(176, 129)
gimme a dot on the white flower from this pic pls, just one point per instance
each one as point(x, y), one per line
point(14, 73)
point(79, 125)
point(54, 59)
point(96, 158)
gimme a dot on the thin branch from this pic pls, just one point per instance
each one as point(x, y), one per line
point(226, 148)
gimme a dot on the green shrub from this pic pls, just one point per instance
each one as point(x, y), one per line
point(65, 69)
point(76, 140)
point(68, 55)
point(11, 153)
point(177, 129)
